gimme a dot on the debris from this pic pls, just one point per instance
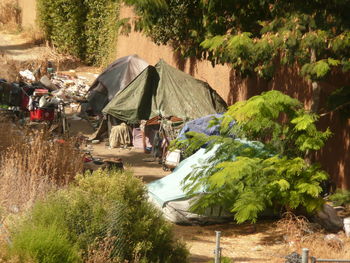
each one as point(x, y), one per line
point(258, 248)
point(74, 117)
point(70, 89)
point(293, 258)
point(347, 226)
point(27, 74)
point(327, 217)
point(46, 82)
point(333, 241)
point(114, 163)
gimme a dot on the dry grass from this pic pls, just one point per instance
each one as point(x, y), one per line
point(300, 233)
point(10, 15)
point(9, 134)
point(33, 167)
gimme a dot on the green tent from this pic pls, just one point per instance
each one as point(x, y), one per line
point(164, 91)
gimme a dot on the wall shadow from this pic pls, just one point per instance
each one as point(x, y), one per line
point(181, 63)
point(334, 157)
point(244, 88)
point(179, 60)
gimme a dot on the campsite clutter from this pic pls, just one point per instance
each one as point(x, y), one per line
point(134, 103)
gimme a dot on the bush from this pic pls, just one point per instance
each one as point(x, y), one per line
point(85, 29)
point(103, 206)
point(341, 197)
point(45, 244)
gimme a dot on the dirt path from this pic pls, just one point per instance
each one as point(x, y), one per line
point(17, 48)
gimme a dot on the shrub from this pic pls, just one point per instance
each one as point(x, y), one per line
point(105, 206)
point(341, 197)
point(45, 244)
point(85, 29)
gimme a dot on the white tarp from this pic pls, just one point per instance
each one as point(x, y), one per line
point(168, 194)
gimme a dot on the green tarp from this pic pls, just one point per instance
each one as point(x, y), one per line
point(164, 91)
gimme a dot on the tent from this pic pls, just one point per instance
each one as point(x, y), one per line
point(164, 91)
point(114, 79)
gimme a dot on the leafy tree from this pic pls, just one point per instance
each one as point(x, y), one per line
point(256, 35)
point(266, 168)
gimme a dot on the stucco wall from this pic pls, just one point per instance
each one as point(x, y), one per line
point(28, 8)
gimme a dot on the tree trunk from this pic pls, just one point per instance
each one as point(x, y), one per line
point(316, 88)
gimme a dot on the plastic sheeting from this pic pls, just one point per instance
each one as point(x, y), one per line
point(164, 91)
point(201, 125)
point(169, 188)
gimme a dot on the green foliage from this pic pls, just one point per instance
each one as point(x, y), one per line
point(340, 100)
point(267, 167)
point(100, 206)
point(63, 24)
point(171, 22)
point(101, 30)
point(44, 244)
point(340, 197)
point(253, 35)
point(84, 28)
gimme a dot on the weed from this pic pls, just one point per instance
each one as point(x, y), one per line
point(300, 233)
point(10, 15)
point(341, 197)
point(33, 166)
point(46, 244)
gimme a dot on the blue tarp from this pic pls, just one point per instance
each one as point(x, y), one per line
point(201, 125)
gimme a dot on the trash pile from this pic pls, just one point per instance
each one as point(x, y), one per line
point(42, 98)
point(70, 89)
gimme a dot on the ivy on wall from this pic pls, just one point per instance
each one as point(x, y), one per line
point(86, 29)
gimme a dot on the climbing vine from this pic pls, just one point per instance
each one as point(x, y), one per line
point(86, 29)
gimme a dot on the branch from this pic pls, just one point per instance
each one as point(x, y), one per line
point(336, 109)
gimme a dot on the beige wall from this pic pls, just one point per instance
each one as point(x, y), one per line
point(136, 43)
point(28, 8)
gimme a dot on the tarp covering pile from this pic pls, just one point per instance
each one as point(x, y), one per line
point(168, 195)
point(164, 91)
point(114, 79)
point(201, 125)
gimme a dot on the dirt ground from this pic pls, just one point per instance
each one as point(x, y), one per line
point(241, 243)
